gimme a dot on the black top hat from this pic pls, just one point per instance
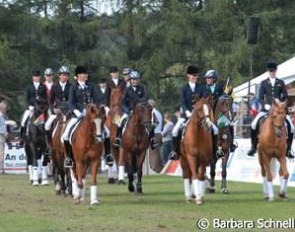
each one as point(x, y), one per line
point(102, 80)
point(80, 69)
point(113, 69)
point(192, 69)
point(271, 65)
point(36, 72)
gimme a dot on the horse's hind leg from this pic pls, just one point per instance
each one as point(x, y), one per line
point(202, 184)
point(35, 164)
point(121, 168)
point(269, 185)
point(29, 162)
point(79, 191)
point(284, 175)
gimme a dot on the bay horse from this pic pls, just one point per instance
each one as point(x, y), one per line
point(135, 142)
point(62, 176)
point(196, 150)
point(112, 120)
point(35, 143)
point(272, 143)
point(87, 147)
point(221, 142)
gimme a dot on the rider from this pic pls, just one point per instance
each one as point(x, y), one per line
point(59, 94)
point(115, 82)
point(188, 93)
point(216, 90)
point(126, 72)
point(270, 89)
point(133, 94)
point(34, 91)
point(48, 83)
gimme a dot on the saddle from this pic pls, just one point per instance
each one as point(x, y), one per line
point(73, 129)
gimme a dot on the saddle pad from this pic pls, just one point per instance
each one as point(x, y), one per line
point(73, 129)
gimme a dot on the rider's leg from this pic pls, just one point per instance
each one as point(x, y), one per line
point(290, 128)
point(254, 132)
point(176, 139)
point(26, 115)
point(233, 146)
point(117, 141)
point(65, 139)
point(107, 147)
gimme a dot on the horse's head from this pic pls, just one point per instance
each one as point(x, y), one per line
point(96, 115)
point(116, 97)
point(278, 116)
point(223, 104)
point(201, 113)
point(41, 106)
point(143, 113)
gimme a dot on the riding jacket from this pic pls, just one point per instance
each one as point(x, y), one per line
point(218, 91)
point(59, 94)
point(188, 96)
point(33, 94)
point(267, 92)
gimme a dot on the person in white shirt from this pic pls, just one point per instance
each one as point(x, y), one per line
point(3, 134)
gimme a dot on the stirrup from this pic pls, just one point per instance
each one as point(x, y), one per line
point(49, 152)
point(233, 147)
point(109, 160)
point(290, 155)
point(68, 163)
point(117, 142)
point(252, 152)
point(173, 155)
point(219, 153)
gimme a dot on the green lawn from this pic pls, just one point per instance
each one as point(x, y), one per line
point(161, 208)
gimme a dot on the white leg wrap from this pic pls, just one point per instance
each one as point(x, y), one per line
point(110, 172)
point(265, 189)
point(35, 176)
point(93, 195)
point(177, 127)
point(103, 165)
point(283, 184)
point(30, 170)
point(57, 187)
point(39, 162)
point(49, 122)
point(107, 132)
point(84, 187)
point(270, 190)
point(202, 187)
point(44, 176)
point(196, 188)
point(121, 173)
point(187, 189)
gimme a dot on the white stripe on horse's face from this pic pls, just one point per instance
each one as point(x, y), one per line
point(206, 110)
point(98, 122)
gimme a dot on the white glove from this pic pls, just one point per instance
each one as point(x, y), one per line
point(78, 113)
point(188, 113)
point(107, 109)
point(267, 107)
point(31, 108)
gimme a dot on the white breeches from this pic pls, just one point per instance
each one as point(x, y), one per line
point(65, 136)
point(49, 122)
point(106, 132)
point(177, 126)
point(262, 114)
point(27, 114)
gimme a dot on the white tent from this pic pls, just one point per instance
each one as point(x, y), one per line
point(286, 72)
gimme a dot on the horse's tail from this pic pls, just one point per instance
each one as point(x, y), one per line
point(134, 160)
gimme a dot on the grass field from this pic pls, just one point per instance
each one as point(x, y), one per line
point(161, 208)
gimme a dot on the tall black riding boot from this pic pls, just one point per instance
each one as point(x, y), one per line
point(48, 143)
point(233, 146)
point(152, 138)
point(68, 163)
point(253, 142)
point(289, 146)
point(174, 154)
point(22, 136)
point(107, 152)
point(117, 141)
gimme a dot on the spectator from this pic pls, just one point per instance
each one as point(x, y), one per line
point(254, 105)
point(3, 134)
point(167, 145)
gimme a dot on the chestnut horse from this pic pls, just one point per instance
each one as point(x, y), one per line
point(135, 142)
point(273, 144)
point(221, 142)
point(196, 150)
point(62, 177)
point(113, 118)
point(87, 150)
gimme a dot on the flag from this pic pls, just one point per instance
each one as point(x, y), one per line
point(40, 120)
point(222, 121)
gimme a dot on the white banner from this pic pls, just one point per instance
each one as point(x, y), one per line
point(15, 160)
point(240, 167)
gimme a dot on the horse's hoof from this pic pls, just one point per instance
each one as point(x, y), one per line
point(35, 183)
point(270, 199)
point(121, 182)
point(131, 188)
point(77, 201)
point(138, 193)
point(94, 202)
point(44, 182)
point(200, 201)
point(225, 191)
point(189, 199)
point(283, 195)
point(111, 181)
point(211, 189)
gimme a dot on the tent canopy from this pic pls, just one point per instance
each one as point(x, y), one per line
point(286, 72)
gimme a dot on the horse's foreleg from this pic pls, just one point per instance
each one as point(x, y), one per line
point(212, 174)
point(93, 188)
point(192, 162)
point(121, 167)
point(128, 160)
point(186, 174)
point(224, 189)
point(79, 172)
point(269, 177)
point(29, 162)
point(140, 160)
point(202, 184)
point(35, 164)
point(284, 175)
